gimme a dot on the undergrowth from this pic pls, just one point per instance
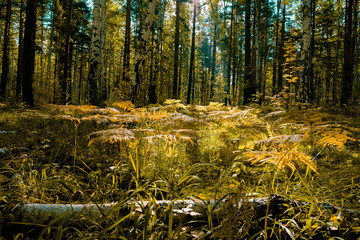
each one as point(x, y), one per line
point(127, 155)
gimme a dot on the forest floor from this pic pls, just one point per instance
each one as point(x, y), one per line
point(64, 154)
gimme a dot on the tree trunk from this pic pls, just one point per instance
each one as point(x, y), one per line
point(141, 52)
point(311, 77)
point(29, 53)
point(95, 49)
point(126, 60)
point(281, 57)
point(154, 80)
point(190, 92)
point(276, 50)
point(306, 52)
point(176, 54)
point(103, 64)
point(228, 82)
point(5, 62)
point(249, 86)
point(20, 52)
point(348, 76)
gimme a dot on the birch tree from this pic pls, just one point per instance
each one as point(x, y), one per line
point(141, 52)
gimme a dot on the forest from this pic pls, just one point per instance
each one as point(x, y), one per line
point(179, 119)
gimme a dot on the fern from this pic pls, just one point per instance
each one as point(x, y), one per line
point(116, 135)
point(125, 106)
point(283, 157)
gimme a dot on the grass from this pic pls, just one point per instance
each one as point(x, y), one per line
point(83, 154)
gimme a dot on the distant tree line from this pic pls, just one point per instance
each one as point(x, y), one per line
point(232, 51)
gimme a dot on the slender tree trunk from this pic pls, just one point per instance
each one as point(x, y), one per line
point(348, 76)
point(103, 64)
point(213, 64)
point(141, 51)
point(75, 88)
point(5, 62)
point(20, 51)
point(95, 48)
point(29, 53)
point(356, 54)
point(234, 65)
point(311, 77)
point(126, 60)
point(306, 52)
point(257, 57)
point(192, 59)
point(176, 54)
point(249, 86)
point(276, 50)
point(154, 80)
point(281, 57)
point(228, 83)
point(213, 58)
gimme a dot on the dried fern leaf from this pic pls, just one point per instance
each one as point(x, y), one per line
point(111, 136)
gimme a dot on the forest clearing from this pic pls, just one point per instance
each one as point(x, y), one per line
point(178, 171)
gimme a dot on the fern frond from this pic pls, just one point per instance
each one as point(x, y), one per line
point(282, 158)
point(282, 139)
point(111, 136)
point(124, 106)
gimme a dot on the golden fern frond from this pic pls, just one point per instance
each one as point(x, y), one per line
point(111, 136)
point(282, 158)
point(157, 115)
point(282, 139)
point(124, 106)
point(337, 139)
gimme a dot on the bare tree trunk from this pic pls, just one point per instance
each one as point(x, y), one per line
point(154, 80)
point(306, 52)
point(281, 57)
point(5, 62)
point(141, 51)
point(20, 52)
point(228, 83)
point(126, 61)
point(249, 86)
point(348, 74)
point(176, 54)
point(103, 64)
point(276, 50)
point(190, 94)
point(29, 53)
point(95, 50)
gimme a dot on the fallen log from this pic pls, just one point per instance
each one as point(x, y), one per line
point(183, 211)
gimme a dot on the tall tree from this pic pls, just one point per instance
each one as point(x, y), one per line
point(249, 86)
point(29, 53)
point(306, 52)
point(190, 92)
point(64, 12)
point(103, 64)
point(141, 52)
point(126, 57)
point(348, 75)
point(5, 63)
point(95, 49)
point(276, 49)
point(20, 51)
point(176, 54)
point(159, 27)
